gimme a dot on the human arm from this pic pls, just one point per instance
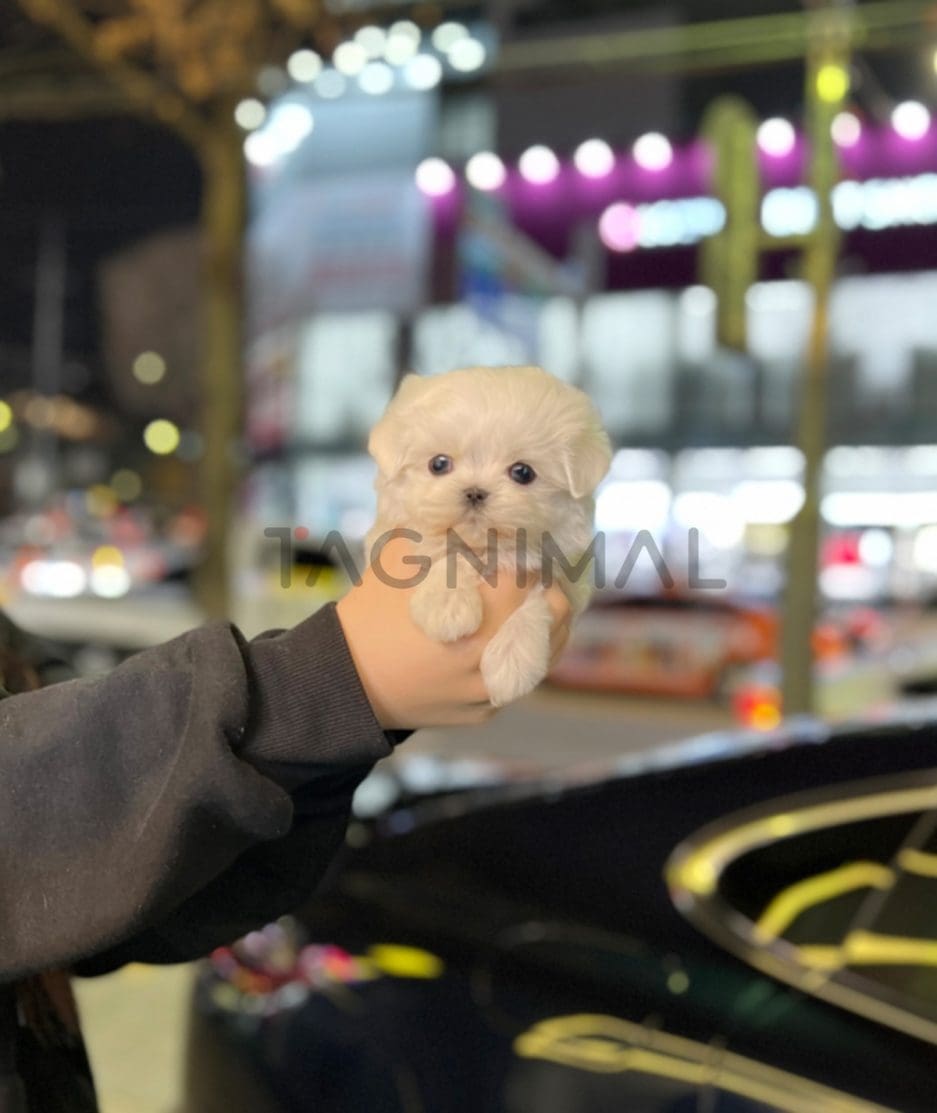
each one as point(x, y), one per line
point(203, 786)
point(123, 797)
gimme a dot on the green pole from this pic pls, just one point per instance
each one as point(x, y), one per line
point(728, 261)
point(826, 88)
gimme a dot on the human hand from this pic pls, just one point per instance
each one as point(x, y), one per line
point(410, 680)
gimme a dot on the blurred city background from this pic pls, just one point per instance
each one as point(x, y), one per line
point(229, 227)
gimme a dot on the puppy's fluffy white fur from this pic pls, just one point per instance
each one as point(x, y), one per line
point(485, 420)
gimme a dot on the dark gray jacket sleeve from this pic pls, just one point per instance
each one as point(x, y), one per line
point(145, 813)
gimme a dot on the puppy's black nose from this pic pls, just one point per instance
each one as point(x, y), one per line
point(475, 495)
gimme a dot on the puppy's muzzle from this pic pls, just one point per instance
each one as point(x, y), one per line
point(475, 496)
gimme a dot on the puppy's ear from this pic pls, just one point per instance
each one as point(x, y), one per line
point(388, 440)
point(586, 460)
point(410, 388)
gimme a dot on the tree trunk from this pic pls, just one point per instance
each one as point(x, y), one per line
point(223, 218)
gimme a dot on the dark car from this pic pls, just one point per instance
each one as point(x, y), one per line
point(747, 923)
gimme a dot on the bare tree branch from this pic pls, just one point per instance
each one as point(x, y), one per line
point(145, 92)
point(80, 99)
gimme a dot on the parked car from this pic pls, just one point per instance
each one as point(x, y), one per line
point(745, 924)
point(691, 646)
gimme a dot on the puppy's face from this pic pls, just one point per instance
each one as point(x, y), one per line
point(489, 448)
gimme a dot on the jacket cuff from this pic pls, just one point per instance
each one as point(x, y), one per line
point(309, 705)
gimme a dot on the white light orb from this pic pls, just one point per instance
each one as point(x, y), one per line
point(594, 158)
point(539, 165)
point(376, 78)
point(350, 58)
point(250, 114)
point(911, 120)
point(435, 177)
point(846, 129)
point(467, 56)
point(406, 29)
point(261, 149)
point(289, 124)
point(110, 581)
point(304, 66)
point(485, 171)
point(400, 48)
point(372, 40)
point(447, 34)
point(423, 72)
point(776, 137)
point(653, 151)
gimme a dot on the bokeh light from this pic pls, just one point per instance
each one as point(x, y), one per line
point(304, 66)
point(619, 227)
point(106, 554)
point(372, 40)
point(286, 127)
point(261, 149)
point(447, 35)
point(652, 151)
point(250, 114)
point(6, 416)
point(126, 484)
point(149, 368)
point(911, 120)
point(832, 82)
point(61, 579)
point(349, 58)
point(403, 41)
point(376, 78)
point(776, 137)
point(539, 165)
point(846, 129)
point(423, 72)
point(485, 171)
point(435, 177)
point(110, 581)
point(290, 123)
point(161, 437)
point(467, 56)
point(594, 158)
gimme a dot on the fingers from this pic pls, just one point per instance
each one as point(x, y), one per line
point(502, 597)
point(479, 713)
point(562, 613)
point(560, 606)
point(397, 565)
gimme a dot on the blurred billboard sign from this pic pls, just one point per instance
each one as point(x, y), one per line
point(505, 276)
point(339, 225)
point(339, 243)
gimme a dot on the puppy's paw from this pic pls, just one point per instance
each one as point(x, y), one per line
point(448, 614)
point(518, 656)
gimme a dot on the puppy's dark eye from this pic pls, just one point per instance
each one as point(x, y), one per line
point(440, 465)
point(522, 473)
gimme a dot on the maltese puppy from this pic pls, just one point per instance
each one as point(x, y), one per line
point(493, 469)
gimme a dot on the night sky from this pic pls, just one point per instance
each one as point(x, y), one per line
point(113, 181)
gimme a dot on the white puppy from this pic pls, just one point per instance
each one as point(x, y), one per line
point(495, 469)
